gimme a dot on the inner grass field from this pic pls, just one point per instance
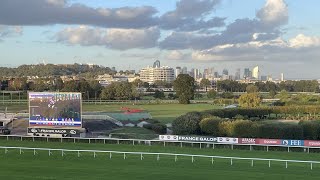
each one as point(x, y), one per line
point(163, 112)
point(42, 166)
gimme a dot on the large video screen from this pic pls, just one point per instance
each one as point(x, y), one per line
point(55, 109)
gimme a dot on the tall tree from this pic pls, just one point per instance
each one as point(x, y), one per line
point(184, 87)
point(252, 89)
point(249, 100)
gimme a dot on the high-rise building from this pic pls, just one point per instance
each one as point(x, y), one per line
point(282, 77)
point(237, 74)
point(255, 72)
point(184, 70)
point(178, 71)
point(196, 73)
point(225, 72)
point(156, 64)
point(246, 73)
point(152, 74)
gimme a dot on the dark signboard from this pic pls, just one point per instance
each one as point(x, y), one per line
point(53, 131)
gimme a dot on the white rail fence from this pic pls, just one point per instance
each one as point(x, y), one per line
point(192, 157)
point(200, 145)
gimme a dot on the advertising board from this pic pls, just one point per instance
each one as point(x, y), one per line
point(247, 141)
point(187, 138)
point(55, 109)
point(53, 131)
point(229, 140)
point(269, 141)
point(287, 142)
point(311, 143)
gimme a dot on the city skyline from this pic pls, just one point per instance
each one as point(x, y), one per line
point(279, 36)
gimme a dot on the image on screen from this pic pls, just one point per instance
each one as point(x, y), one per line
point(55, 109)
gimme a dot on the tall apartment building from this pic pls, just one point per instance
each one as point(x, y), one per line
point(255, 72)
point(157, 73)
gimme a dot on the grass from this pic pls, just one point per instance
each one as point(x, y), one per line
point(41, 166)
point(133, 132)
point(166, 113)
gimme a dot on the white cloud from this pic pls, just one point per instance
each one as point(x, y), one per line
point(121, 39)
point(176, 55)
point(302, 41)
point(274, 12)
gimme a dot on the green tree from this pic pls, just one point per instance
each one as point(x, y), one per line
point(205, 83)
point(123, 91)
point(159, 94)
point(108, 92)
point(252, 89)
point(249, 100)
point(284, 96)
point(212, 94)
point(272, 93)
point(184, 87)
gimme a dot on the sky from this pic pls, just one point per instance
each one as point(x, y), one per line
point(280, 36)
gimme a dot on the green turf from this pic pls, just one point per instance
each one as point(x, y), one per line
point(70, 166)
point(163, 112)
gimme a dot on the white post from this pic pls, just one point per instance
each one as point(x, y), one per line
point(231, 161)
point(49, 152)
point(61, 152)
point(89, 141)
point(47, 139)
point(132, 142)
point(110, 155)
point(78, 153)
point(175, 158)
point(158, 157)
point(311, 166)
point(20, 136)
point(267, 148)
point(104, 141)
point(118, 141)
point(74, 140)
point(32, 138)
point(61, 139)
point(212, 160)
point(34, 152)
point(286, 164)
point(232, 146)
point(192, 159)
point(94, 154)
point(20, 151)
point(124, 155)
point(200, 145)
point(288, 149)
point(141, 157)
point(164, 144)
point(252, 163)
point(269, 163)
point(212, 146)
point(250, 147)
point(308, 150)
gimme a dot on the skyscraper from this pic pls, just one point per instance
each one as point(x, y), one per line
point(225, 72)
point(237, 74)
point(246, 73)
point(178, 71)
point(255, 72)
point(282, 77)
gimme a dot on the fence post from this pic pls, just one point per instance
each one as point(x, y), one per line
point(7, 138)
point(34, 152)
point(141, 157)
point(89, 141)
point(20, 138)
point(118, 141)
point(49, 152)
point(200, 145)
point(164, 144)
point(175, 158)
point(33, 138)
point(250, 147)
point(231, 161)
point(158, 157)
point(252, 163)
point(308, 150)
point(94, 154)
point(61, 139)
point(78, 153)
point(180, 144)
point(110, 155)
point(232, 146)
point(212, 160)
point(269, 163)
point(288, 149)
point(286, 164)
point(74, 140)
point(213, 146)
point(192, 159)
point(311, 166)
point(124, 155)
point(267, 148)
point(61, 152)
point(132, 142)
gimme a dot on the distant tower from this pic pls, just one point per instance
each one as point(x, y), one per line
point(282, 77)
point(255, 72)
point(178, 71)
point(225, 72)
point(156, 64)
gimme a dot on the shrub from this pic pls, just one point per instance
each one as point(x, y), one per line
point(226, 128)
point(311, 129)
point(244, 128)
point(187, 124)
point(210, 126)
point(280, 131)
